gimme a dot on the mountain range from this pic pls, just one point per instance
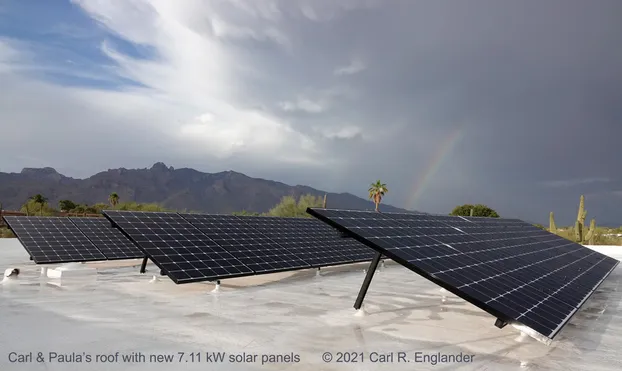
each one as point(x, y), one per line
point(178, 189)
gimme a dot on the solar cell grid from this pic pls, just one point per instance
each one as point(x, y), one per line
point(311, 240)
point(177, 247)
point(53, 240)
point(251, 247)
point(514, 271)
point(110, 241)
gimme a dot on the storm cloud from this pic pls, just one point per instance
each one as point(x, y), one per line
point(513, 104)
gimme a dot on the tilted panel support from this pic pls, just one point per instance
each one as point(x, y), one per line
point(368, 277)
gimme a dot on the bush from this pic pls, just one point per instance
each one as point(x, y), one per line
point(290, 208)
point(34, 209)
point(6, 233)
point(135, 206)
point(246, 213)
point(478, 210)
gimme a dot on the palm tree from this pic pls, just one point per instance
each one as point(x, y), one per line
point(376, 191)
point(41, 200)
point(113, 199)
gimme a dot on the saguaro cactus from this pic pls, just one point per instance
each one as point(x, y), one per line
point(578, 232)
point(552, 227)
point(580, 223)
point(589, 236)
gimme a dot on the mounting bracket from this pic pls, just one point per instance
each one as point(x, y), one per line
point(143, 266)
point(500, 323)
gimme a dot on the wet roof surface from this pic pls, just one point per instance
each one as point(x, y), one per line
point(295, 316)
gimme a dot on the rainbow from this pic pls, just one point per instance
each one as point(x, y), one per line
point(445, 148)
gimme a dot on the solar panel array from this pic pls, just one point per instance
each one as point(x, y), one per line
point(311, 240)
point(252, 248)
point(63, 240)
point(110, 241)
point(507, 267)
point(200, 247)
point(53, 239)
point(177, 247)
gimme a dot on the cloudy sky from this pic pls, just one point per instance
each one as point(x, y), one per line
point(517, 105)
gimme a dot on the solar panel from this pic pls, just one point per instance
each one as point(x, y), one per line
point(516, 272)
point(110, 241)
point(177, 247)
point(53, 239)
point(313, 241)
point(251, 247)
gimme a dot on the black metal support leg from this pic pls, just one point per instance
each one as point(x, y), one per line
point(367, 281)
point(143, 266)
point(162, 272)
point(500, 323)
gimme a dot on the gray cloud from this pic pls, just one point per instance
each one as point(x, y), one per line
point(515, 105)
point(574, 182)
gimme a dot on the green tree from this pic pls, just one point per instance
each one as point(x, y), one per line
point(246, 213)
point(40, 200)
point(135, 206)
point(288, 207)
point(113, 199)
point(539, 226)
point(79, 209)
point(377, 191)
point(98, 207)
point(66, 205)
point(478, 210)
point(34, 208)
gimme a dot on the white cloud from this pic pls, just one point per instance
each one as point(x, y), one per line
point(187, 93)
point(195, 72)
point(323, 11)
point(355, 66)
point(224, 29)
point(252, 133)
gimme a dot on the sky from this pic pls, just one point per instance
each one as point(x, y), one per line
point(516, 105)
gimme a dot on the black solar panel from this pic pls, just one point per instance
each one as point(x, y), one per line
point(251, 247)
point(511, 269)
point(177, 247)
point(53, 239)
point(110, 241)
point(313, 241)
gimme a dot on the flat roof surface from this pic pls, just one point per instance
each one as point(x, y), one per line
point(288, 320)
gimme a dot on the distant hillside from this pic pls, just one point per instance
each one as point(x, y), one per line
point(179, 189)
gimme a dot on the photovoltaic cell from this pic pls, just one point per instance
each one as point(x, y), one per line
point(253, 248)
point(109, 240)
point(53, 240)
point(313, 241)
point(177, 247)
point(515, 271)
